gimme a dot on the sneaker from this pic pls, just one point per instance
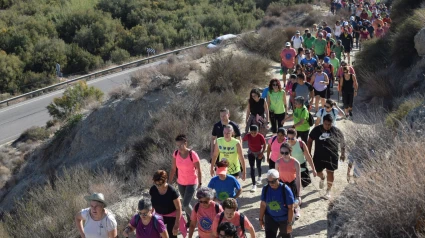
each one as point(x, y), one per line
point(350, 113)
point(297, 213)
point(254, 188)
point(327, 195)
point(259, 181)
point(322, 183)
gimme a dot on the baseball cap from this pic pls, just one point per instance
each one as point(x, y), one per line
point(327, 60)
point(288, 44)
point(328, 35)
point(345, 23)
point(297, 32)
point(360, 22)
point(352, 18)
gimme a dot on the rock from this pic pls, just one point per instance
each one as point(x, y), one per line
point(420, 42)
point(416, 119)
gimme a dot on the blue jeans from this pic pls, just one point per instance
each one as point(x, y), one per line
point(186, 192)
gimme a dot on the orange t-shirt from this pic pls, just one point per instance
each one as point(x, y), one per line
point(235, 221)
point(205, 218)
point(288, 57)
point(287, 170)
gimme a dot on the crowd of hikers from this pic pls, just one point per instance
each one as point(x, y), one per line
point(315, 62)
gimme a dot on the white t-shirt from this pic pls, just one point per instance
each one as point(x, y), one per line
point(297, 42)
point(98, 229)
point(338, 30)
point(322, 112)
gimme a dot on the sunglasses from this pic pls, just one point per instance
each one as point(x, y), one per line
point(272, 181)
point(290, 138)
point(204, 202)
point(144, 214)
point(159, 185)
point(284, 152)
point(274, 84)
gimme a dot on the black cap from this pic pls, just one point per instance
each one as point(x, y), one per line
point(253, 128)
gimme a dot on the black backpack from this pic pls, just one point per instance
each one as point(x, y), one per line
point(310, 118)
point(216, 205)
point(241, 221)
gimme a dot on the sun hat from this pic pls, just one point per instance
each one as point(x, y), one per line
point(222, 170)
point(288, 44)
point(98, 197)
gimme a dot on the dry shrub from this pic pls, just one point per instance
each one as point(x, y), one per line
point(387, 199)
point(50, 209)
point(235, 73)
point(394, 118)
point(279, 14)
point(142, 78)
point(35, 133)
point(122, 91)
point(197, 53)
point(176, 71)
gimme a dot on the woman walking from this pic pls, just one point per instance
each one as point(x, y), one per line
point(273, 147)
point(276, 98)
point(301, 117)
point(257, 112)
point(330, 108)
point(348, 86)
point(320, 82)
point(99, 222)
point(166, 202)
point(190, 174)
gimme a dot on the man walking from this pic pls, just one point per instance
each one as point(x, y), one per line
point(287, 61)
point(217, 131)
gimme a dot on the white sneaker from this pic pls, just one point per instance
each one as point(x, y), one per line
point(327, 195)
point(259, 181)
point(322, 183)
point(297, 213)
point(254, 188)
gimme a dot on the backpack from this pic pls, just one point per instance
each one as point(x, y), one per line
point(175, 156)
point(216, 205)
point(322, 111)
point(155, 221)
point(310, 119)
point(283, 194)
point(241, 221)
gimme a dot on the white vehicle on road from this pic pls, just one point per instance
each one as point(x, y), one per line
point(219, 40)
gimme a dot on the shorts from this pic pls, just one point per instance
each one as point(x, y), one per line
point(347, 50)
point(236, 174)
point(325, 162)
point(320, 57)
point(347, 99)
point(322, 94)
point(285, 70)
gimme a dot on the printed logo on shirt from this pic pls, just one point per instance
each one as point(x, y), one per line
point(205, 223)
point(223, 196)
point(274, 206)
point(220, 147)
point(288, 56)
point(324, 136)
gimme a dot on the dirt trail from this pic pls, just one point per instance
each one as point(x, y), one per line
point(313, 220)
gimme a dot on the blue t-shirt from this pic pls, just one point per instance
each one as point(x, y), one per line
point(264, 93)
point(225, 188)
point(277, 208)
point(312, 61)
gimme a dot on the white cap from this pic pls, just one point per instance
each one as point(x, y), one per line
point(345, 23)
point(328, 35)
point(288, 44)
point(273, 173)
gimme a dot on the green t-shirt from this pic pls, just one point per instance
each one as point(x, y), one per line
point(320, 46)
point(300, 113)
point(308, 42)
point(229, 150)
point(335, 63)
point(338, 51)
point(276, 102)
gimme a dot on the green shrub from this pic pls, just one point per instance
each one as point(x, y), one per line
point(395, 117)
point(79, 60)
point(119, 56)
point(11, 69)
point(34, 134)
point(48, 52)
point(73, 100)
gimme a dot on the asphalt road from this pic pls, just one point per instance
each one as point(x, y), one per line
point(17, 118)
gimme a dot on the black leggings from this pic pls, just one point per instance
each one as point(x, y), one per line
point(303, 135)
point(252, 162)
point(279, 118)
point(169, 223)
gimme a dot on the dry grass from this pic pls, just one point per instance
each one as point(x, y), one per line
point(279, 14)
point(387, 200)
point(122, 91)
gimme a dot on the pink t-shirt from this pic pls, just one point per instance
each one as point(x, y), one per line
point(275, 148)
point(205, 218)
point(235, 221)
point(187, 171)
point(288, 57)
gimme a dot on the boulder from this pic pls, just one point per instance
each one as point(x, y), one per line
point(420, 42)
point(416, 119)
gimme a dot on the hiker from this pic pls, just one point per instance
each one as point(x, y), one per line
point(98, 221)
point(338, 48)
point(273, 147)
point(347, 42)
point(287, 57)
point(328, 69)
point(166, 202)
point(300, 153)
point(226, 186)
point(288, 90)
point(308, 64)
point(276, 207)
point(290, 173)
point(231, 149)
point(217, 131)
point(320, 82)
point(256, 148)
point(340, 72)
point(189, 175)
point(329, 43)
point(230, 214)
point(300, 56)
point(146, 223)
point(370, 29)
point(301, 119)
point(304, 89)
point(338, 29)
point(309, 40)
point(348, 87)
point(327, 139)
point(257, 112)
point(331, 108)
point(335, 62)
point(227, 230)
point(379, 32)
point(297, 40)
point(204, 213)
point(278, 107)
point(319, 47)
